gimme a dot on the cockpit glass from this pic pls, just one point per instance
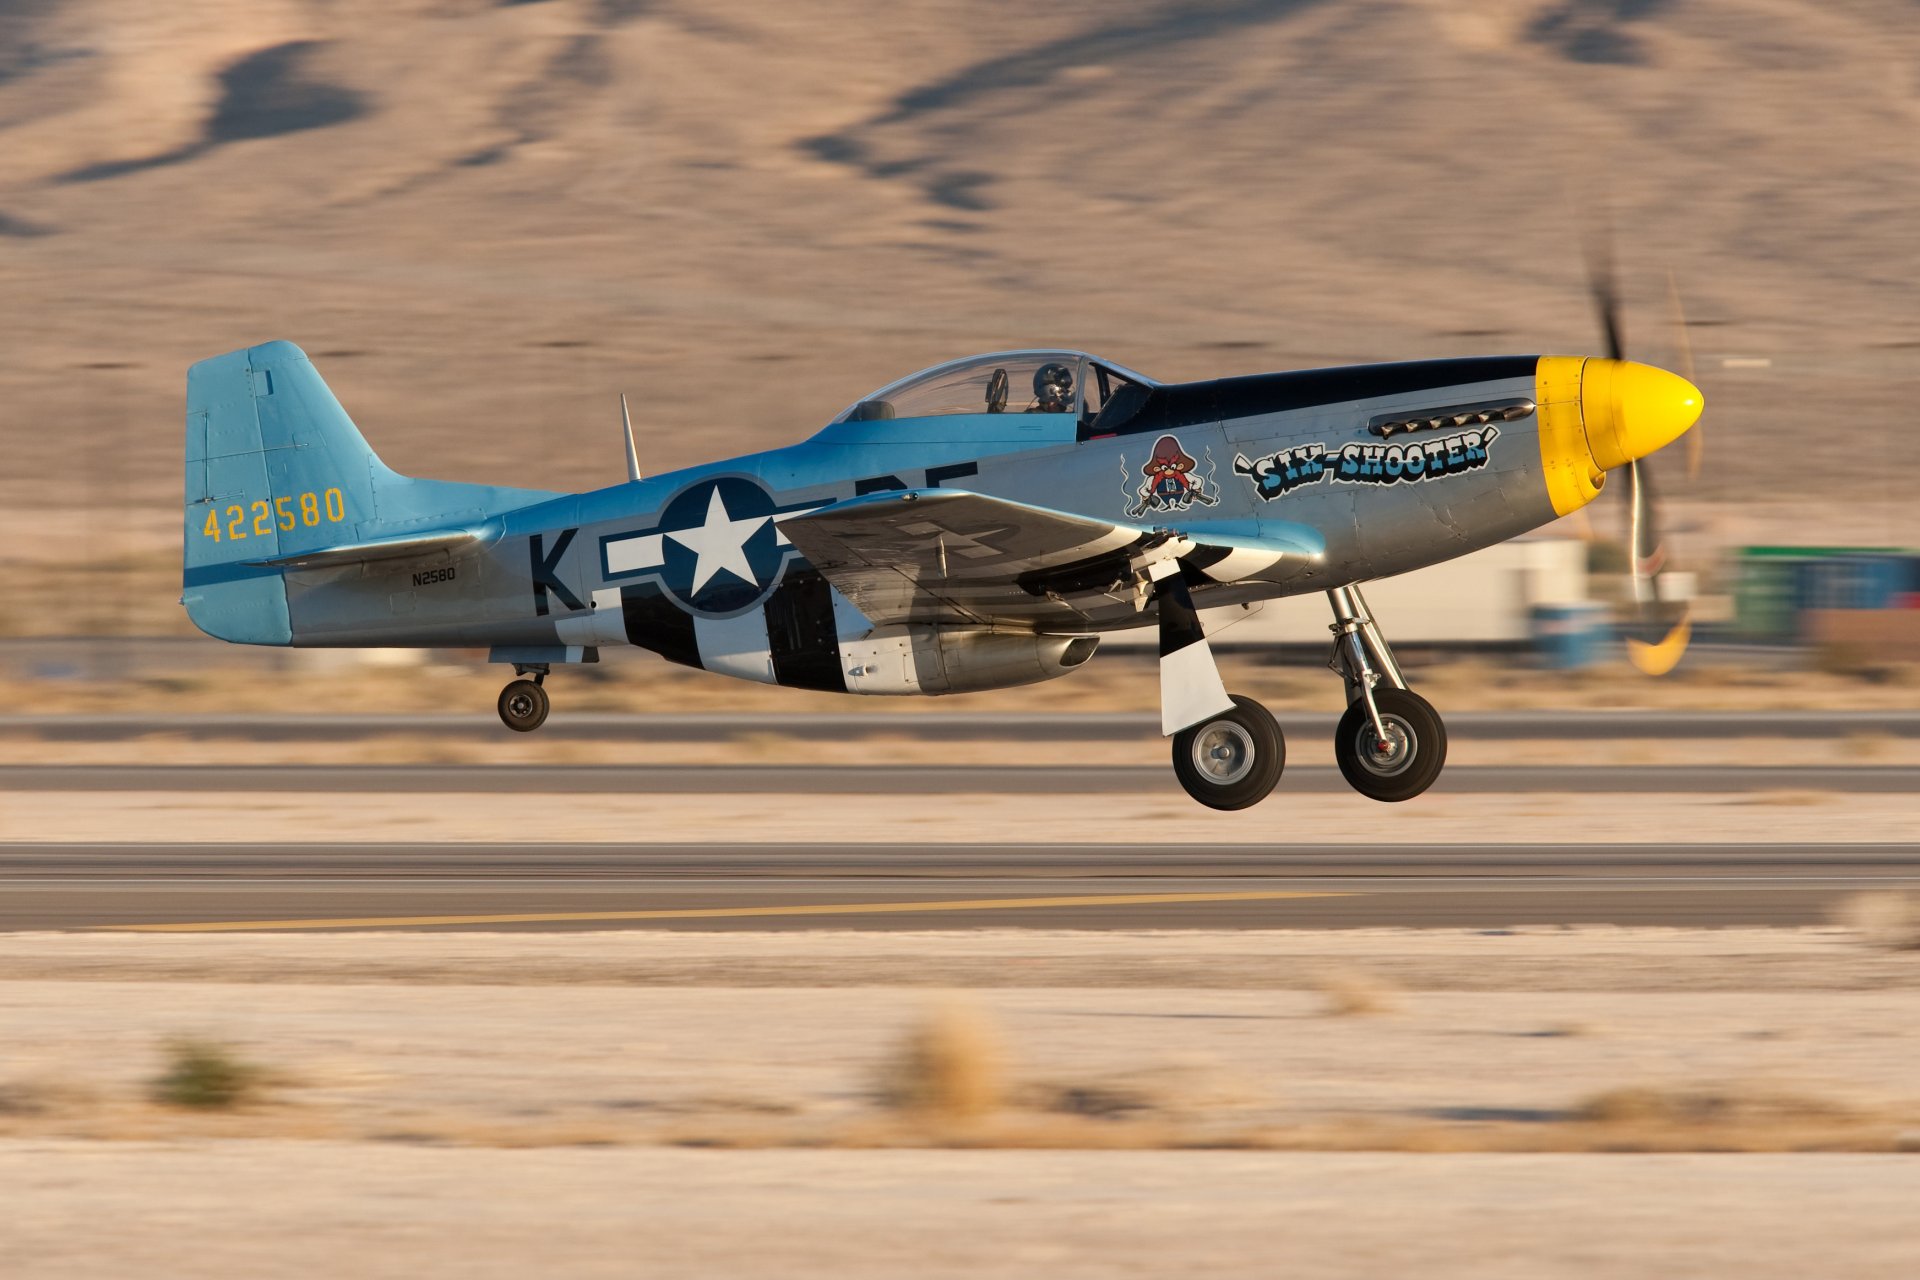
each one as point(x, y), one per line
point(1011, 382)
point(1110, 399)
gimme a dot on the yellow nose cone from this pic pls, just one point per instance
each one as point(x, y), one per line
point(1631, 410)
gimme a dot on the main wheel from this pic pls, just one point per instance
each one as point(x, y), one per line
point(1408, 762)
point(1232, 760)
point(524, 706)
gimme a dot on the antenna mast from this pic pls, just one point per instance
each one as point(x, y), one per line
point(633, 455)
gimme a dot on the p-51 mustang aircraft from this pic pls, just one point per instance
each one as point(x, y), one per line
point(977, 525)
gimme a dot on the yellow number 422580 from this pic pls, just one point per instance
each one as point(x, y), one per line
point(259, 518)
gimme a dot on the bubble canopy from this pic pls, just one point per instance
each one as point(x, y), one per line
point(1070, 383)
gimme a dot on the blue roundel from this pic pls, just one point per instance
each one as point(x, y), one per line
point(721, 551)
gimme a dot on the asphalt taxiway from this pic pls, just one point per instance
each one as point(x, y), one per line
point(210, 888)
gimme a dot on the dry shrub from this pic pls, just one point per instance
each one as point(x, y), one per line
point(1352, 994)
point(1571, 1030)
point(1838, 658)
point(1785, 797)
point(1884, 918)
point(401, 748)
point(203, 1075)
point(735, 1104)
point(47, 1095)
point(765, 744)
point(1187, 1091)
point(23, 1099)
point(1650, 1106)
point(949, 1067)
point(1867, 746)
point(1096, 1099)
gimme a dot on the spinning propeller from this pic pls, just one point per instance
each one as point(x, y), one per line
point(1661, 629)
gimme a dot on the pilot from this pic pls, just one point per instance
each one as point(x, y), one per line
point(1052, 389)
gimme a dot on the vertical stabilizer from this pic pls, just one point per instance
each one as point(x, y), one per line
point(275, 469)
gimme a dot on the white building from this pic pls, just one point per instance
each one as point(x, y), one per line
point(1484, 598)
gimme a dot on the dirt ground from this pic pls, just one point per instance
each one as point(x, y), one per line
point(1594, 1102)
point(296, 1210)
point(1762, 817)
point(1739, 1038)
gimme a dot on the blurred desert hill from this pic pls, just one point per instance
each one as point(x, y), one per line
point(486, 220)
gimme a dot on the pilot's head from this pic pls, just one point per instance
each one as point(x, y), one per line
point(1053, 388)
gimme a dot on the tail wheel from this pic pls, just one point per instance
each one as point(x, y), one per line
point(524, 706)
point(1232, 760)
point(1410, 758)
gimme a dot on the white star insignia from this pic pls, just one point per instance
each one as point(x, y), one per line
point(719, 545)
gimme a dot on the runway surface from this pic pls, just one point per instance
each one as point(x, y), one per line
point(197, 888)
point(932, 779)
point(950, 726)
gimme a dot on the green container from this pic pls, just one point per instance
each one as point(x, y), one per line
point(1764, 589)
point(1773, 584)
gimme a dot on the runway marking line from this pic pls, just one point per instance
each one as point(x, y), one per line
point(723, 913)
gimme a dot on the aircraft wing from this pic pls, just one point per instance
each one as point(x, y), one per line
point(951, 556)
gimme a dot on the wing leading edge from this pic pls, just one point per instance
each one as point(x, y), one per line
point(955, 557)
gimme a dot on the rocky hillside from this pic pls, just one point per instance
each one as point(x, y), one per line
point(486, 220)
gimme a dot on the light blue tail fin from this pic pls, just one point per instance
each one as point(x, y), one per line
point(275, 468)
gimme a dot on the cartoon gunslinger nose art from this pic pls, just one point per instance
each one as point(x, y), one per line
point(1171, 484)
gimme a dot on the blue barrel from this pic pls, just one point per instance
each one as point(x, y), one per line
point(1570, 636)
point(1855, 581)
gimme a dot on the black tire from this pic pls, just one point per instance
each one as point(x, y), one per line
point(523, 706)
point(1419, 746)
point(1232, 760)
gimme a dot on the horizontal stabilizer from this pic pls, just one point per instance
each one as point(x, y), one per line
point(424, 544)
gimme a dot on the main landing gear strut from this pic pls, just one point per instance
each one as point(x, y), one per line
point(1228, 751)
point(1390, 744)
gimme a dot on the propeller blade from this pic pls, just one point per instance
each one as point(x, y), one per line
point(1606, 294)
point(1662, 656)
point(1648, 552)
point(1683, 343)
